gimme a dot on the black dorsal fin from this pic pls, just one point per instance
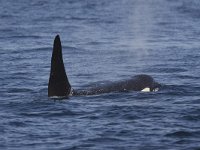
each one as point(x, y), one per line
point(58, 81)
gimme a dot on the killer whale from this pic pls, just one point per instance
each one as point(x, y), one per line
point(59, 85)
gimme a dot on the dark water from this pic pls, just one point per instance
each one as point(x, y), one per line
point(103, 40)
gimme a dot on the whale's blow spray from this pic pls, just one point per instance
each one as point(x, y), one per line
point(141, 26)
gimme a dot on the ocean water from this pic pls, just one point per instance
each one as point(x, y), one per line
point(103, 41)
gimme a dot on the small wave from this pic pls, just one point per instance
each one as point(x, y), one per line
point(43, 49)
point(19, 90)
point(190, 8)
point(195, 117)
point(24, 37)
point(188, 77)
point(172, 70)
point(180, 134)
point(58, 97)
point(17, 124)
point(175, 90)
point(104, 139)
point(57, 113)
point(161, 69)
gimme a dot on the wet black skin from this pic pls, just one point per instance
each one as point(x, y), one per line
point(60, 86)
point(136, 83)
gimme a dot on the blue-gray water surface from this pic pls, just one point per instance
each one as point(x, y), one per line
point(103, 41)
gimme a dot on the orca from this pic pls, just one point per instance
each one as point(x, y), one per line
point(59, 85)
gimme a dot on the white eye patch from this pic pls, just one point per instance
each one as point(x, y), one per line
point(147, 89)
